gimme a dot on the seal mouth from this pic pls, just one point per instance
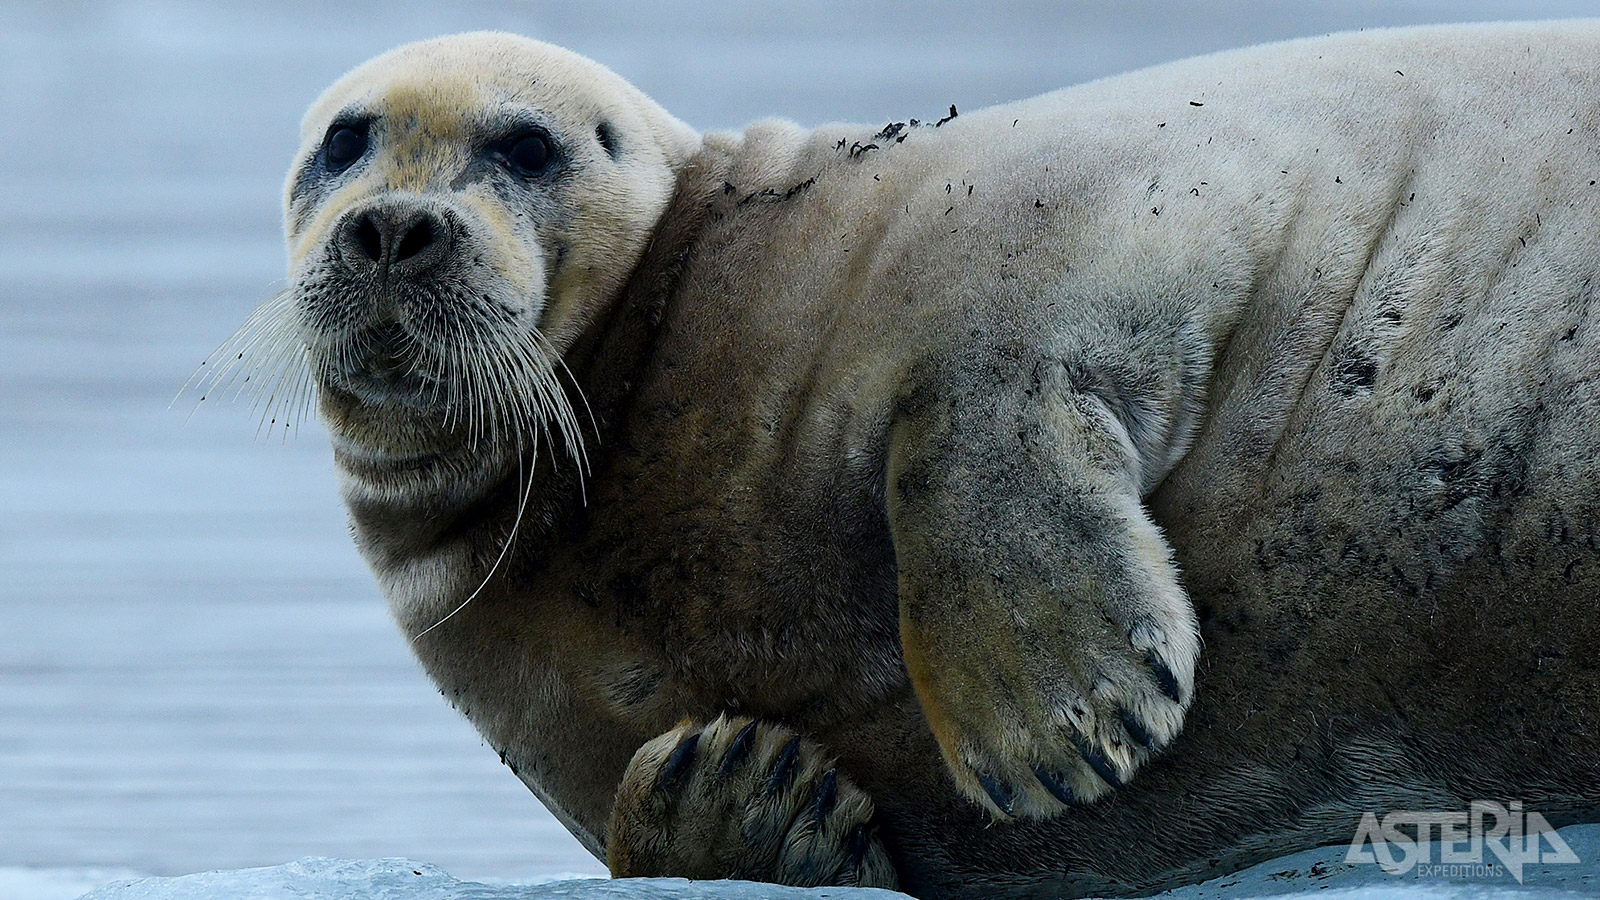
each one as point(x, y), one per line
point(384, 366)
point(435, 357)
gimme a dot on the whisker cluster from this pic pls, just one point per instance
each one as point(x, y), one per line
point(487, 376)
point(265, 359)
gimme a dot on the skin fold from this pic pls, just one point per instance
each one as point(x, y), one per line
point(1085, 495)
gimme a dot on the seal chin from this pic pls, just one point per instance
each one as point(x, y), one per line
point(402, 470)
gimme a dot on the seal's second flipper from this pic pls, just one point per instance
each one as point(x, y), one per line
point(743, 799)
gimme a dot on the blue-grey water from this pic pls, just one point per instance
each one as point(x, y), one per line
point(195, 669)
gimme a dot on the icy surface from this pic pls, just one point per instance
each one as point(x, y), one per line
point(1322, 871)
point(195, 670)
point(400, 879)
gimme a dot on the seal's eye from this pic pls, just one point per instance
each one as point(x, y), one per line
point(529, 154)
point(344, 145)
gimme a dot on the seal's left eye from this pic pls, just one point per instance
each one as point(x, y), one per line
point(529, 154)
point(344, 146)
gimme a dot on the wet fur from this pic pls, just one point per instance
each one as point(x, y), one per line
point(1323, 306)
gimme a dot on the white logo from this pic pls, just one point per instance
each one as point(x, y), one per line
point(1514, 839)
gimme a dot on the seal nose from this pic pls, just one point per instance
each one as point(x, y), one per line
point(409, 239)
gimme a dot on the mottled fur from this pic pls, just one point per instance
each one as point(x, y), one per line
point(919, 440)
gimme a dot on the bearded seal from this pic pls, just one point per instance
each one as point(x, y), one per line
point(848, 506)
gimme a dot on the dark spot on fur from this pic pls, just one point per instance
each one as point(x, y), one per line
point(1354, 374)
point(608, 139)
point(1457, 471)
point(763, 194)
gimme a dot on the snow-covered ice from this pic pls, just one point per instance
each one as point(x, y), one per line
point(400, 879)
point(1322, 871)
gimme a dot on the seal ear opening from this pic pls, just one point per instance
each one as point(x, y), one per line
point(608, 139)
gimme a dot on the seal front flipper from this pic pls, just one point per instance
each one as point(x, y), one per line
point(1044, 628)
point(741, 798)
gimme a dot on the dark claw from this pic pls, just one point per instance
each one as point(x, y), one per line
point(1136, 730)
point(999, 793)
point(1098, 762)
point(784, 770)
point(859, 844)
point(827, 794)
point(1057, 786)
point(682, 757)
point(738, 750)
point(1164, 676)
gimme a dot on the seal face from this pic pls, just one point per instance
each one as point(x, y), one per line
point(869, 570)
point(458, 213)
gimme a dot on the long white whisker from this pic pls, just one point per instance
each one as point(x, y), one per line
point(227, 360)
point(511, 538)
point(567, 420)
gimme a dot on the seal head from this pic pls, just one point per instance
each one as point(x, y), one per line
point(459, 212)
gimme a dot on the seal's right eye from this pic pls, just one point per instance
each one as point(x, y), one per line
point(344, 145)
point(529, 154)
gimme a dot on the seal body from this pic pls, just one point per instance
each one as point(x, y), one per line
point(906, 433)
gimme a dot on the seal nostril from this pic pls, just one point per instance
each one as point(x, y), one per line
point(369, 239)
point(415, 241)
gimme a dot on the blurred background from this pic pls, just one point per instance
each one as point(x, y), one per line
point(196, 671)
